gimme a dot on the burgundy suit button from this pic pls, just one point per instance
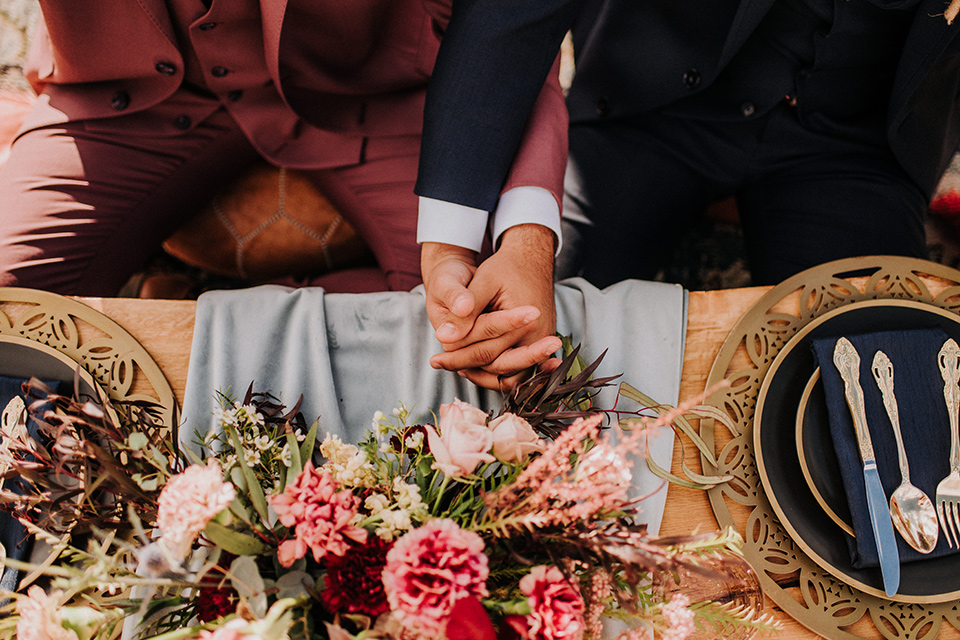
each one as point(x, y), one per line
point(182, 122)
point(120, 100)
point(165, 68)
point(218, 71)
point(207, 26)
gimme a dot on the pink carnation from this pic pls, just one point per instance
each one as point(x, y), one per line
point(40, 617)
point(188, 502)
point(319, 516)
point(556, 606)
point(428, 570)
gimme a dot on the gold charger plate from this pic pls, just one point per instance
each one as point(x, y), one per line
point(104, 350)
point(930, 580)
point(799, 586)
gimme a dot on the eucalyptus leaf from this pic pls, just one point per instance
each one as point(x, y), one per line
point(254, 490)
point(235, 542)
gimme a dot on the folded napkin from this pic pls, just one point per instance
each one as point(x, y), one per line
point(13, 535)
point(350, 355)
point(924, 424)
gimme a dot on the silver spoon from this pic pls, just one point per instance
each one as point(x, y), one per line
point(912, 511)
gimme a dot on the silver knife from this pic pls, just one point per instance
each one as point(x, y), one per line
point(847, 361)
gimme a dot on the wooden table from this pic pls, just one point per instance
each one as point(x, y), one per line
point(165, 329)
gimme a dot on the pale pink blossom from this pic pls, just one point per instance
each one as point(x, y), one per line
point(458, 411)
point(428, 570)
point(233, 630)
point(556, 606)
point(40, 617)
point(514, 439)
point(188, 502)
point(463, 442)
point(319, 516)
point(679, 618)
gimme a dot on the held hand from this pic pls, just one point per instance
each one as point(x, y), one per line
point(514, 287)
point(447, 270)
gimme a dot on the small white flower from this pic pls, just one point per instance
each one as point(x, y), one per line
point(414, 440)
point(227, 416)
point(285, 456)
point(375, 503)
point(385, 448)
point(251, 457)
point(251, 414)
point(300, 436)
point(263, 443)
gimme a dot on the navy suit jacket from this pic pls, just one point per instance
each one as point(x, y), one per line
point(636, 57)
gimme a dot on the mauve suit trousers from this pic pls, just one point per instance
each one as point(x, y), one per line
point(82, 209)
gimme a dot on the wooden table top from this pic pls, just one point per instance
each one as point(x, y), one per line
point(165, 329)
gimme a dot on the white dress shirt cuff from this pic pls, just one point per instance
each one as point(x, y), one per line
point(449, 223)
point(526, 205)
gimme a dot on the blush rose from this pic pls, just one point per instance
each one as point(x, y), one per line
point(463, 442)
point(514, 439)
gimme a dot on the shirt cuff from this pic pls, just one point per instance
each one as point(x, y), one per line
point(526, 205)
point(450, 223)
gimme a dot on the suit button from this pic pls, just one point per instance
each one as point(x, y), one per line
point(218, 71)
point(120, 100)
point(748, 109)
point(691, 79)
point(165, 68)
point(603, 107)
point(182, 122)
point(207, 26)
point(234, 95)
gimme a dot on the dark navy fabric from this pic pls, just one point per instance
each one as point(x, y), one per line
point(918, 387)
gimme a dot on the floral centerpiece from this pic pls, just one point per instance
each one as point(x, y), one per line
point(465, 525)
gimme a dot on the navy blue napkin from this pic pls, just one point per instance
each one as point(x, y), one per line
point(924, 423)
point(13, 535)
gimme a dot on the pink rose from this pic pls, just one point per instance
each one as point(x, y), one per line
point(556, 606)
point(513, 438)
point(464, 440)
point(458, 410)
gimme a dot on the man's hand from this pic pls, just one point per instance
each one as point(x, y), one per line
point(497, 320)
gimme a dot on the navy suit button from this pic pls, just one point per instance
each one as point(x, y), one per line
point(603, 107)
point(691, 79)
point(207, 26)
point(120, 100)
point(218, 71)
point(165, 68)
point(748, 109)
point(182, 122)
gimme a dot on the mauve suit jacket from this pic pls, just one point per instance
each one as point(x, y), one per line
point(351, 68)
point(635, 58)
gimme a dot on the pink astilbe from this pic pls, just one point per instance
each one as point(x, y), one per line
point(40, 617)
point(428, 570)
point(679, 618)
point(552, 491)
point(556, 606)
point(188, 502)
point(319, 515)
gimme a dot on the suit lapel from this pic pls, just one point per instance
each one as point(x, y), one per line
point(929, 36)
point(160, 16)
point(272, 12)
point(748, 16)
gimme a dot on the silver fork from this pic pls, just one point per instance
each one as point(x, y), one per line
point(948, 491)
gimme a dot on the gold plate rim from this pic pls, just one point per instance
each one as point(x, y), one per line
point(762, 470)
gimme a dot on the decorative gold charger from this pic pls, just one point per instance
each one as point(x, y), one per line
point(824, 603)
point(104, 349)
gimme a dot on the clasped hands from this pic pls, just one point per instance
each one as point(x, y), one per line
point(497, 319)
